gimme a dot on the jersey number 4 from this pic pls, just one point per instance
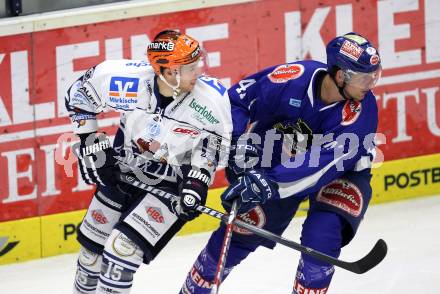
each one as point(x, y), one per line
point(244, 84)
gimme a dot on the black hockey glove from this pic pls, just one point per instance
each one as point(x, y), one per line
point(193, 192)
point(242, 157)
point(252, 187)
point(96, 158)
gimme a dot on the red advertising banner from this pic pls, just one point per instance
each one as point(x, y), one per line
point(36, 69)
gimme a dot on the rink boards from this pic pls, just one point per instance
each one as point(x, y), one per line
point(55, 234)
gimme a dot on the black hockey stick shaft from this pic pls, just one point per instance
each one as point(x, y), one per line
point(224, 249)
point(373, 258)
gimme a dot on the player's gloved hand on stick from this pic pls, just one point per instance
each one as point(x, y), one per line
point(242, 157)
point(193, 192)
point(96, 158)
point(252, 187)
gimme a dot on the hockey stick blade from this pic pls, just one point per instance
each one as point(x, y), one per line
point(373, 258)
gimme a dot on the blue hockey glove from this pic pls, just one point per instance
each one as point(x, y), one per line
point(242, 157)
point(251, 188)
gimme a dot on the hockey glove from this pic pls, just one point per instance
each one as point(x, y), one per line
point(242, 157)
point(250, 189)
point(96, 158)
point(193, 192)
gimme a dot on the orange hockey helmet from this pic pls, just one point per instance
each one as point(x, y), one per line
point(171, 49)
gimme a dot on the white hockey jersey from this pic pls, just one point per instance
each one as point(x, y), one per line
point(195, 128)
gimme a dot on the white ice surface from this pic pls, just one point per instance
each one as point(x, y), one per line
point(411, 229)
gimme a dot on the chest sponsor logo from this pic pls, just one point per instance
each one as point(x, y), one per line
point(286, 72)
point(99, 217)
point(155, 214)
point(254, 217)
point(203, 112)
point(344, 195)
point(351, 50)
point(350, 112)
point(186, 131)
point(123, 91)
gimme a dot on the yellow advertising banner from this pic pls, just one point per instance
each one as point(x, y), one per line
point(406, 178)
point(58, 232)
point(20, 240)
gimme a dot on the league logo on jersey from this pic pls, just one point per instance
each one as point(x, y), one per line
point(286, 72)
point(123, 91)
point(350, 112)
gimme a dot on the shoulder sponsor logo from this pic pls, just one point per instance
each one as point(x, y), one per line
point(6, 247)
point(155, 214)
point(351, 50)
point(99, 217)
point(123, 91)
point(186, 131)
point(137, 64)
point(254, 217)
point(344, 195)
point(286, 72)
point(295, 102)
point(204, 112)
point(81, 118)
point(350, 112)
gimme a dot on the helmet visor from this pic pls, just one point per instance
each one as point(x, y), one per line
point(362, 80)
point(193, 70)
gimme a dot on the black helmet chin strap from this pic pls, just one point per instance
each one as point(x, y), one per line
point(340, 89)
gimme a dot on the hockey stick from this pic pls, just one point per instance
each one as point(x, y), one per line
point(224, 249)
point(373, 258)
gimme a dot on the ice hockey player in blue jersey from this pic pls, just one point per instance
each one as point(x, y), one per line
point(312, 135)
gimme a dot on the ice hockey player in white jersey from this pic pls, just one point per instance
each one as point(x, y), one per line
point(175, 129)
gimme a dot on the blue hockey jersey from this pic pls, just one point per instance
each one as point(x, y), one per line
point(305, 143)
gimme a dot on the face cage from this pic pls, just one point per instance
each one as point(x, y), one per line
point(362, 80)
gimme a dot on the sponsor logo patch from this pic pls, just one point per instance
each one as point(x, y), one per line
point(99, 217)
point(350, 112)
point(300, 289)
point(351, 50)
point(295, 102)
point(286, 72)
point(155, 214)
point(123, 91)
point(344, 195)
point(254, 217)
point(202, 112)
point(186, 131)
point(374, 59)
point(123, 246)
